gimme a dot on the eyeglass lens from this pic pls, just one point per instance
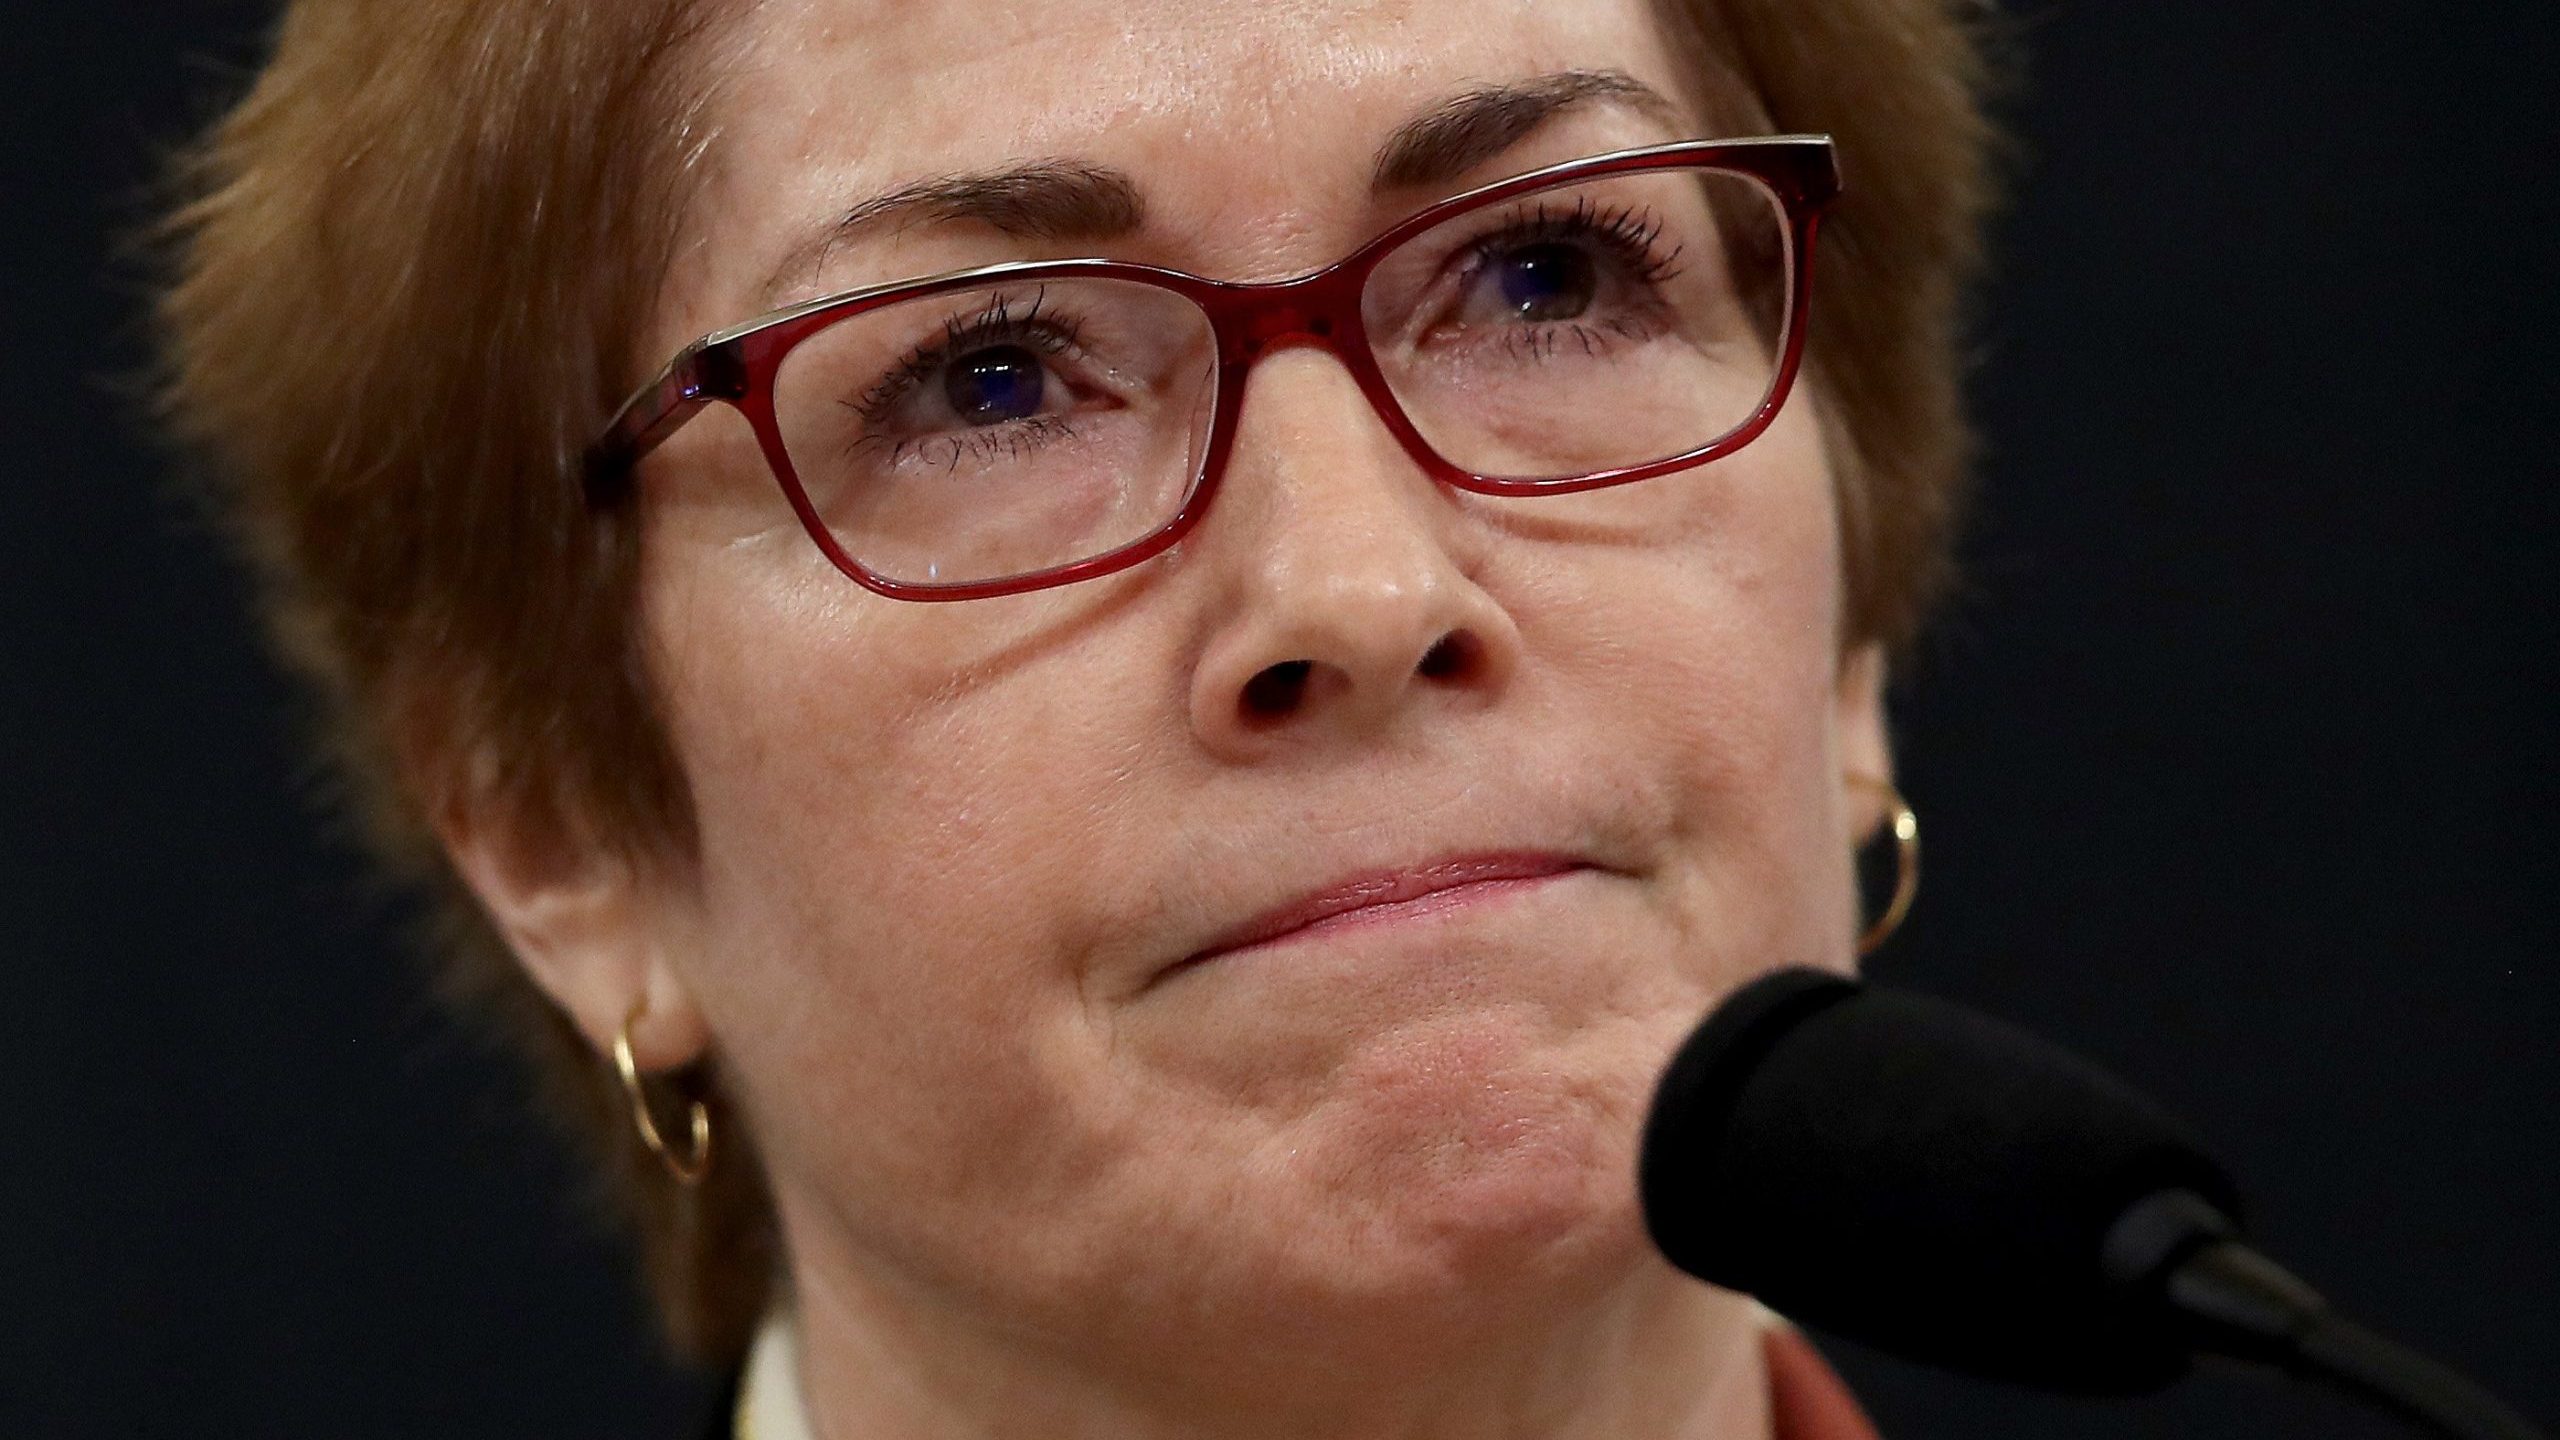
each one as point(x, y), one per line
point(993, 432)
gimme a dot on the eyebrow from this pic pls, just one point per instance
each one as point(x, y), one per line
point(1035, 200)
point(1471, 128)
point(1060, 199)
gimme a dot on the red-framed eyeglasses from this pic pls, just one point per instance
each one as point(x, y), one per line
point(1018, 426)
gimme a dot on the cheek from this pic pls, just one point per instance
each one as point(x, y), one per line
point(890, 849)
point(1712, 649)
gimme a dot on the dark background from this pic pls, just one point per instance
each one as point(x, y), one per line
point(2233, 766)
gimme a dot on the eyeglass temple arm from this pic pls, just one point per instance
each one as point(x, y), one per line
point(654, 412)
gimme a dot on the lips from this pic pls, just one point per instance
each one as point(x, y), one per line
point(1384, 894)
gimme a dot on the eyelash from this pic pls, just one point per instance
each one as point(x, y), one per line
point(1622, 229)
point(996, 324)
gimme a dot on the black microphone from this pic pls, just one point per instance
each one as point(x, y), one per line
point(1942, 1186)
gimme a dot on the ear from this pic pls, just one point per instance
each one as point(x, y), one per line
point(581, 921)
point(1858, 725)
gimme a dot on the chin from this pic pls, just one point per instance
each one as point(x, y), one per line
point(1461, 1170)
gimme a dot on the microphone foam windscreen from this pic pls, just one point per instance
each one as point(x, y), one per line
point(1918, 1177)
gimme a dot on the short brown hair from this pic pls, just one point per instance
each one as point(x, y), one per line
point(412, 270)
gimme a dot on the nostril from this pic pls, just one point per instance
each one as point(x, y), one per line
point(1453, 657)
point(1278, 690)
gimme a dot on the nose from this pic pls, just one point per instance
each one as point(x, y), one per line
point(1346, 602)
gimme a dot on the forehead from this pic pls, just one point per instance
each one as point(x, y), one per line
point(1250, 125)
point(973, 77)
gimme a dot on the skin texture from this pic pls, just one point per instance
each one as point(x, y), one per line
point(1375, 1181)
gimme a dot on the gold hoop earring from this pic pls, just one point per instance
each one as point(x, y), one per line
point(688, 1169)
point(1905, 824)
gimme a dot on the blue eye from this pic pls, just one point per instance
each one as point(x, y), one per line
point(1546, 281)
point(994, 385)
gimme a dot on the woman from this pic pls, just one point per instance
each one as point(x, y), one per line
point(1078, 958)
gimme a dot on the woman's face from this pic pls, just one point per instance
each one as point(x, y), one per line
point(959, 863)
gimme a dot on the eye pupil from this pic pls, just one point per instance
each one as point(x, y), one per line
point(1546, 281)
point(991, 386)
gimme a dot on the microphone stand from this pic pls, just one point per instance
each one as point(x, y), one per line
point(2240, 1304)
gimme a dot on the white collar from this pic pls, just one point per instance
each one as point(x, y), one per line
point(770, 1406)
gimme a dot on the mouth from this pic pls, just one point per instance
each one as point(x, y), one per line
point(1388, 896)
